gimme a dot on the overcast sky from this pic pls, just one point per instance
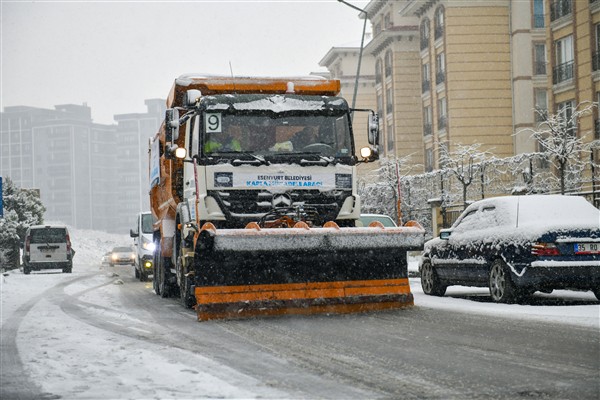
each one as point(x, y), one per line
point(113, 55)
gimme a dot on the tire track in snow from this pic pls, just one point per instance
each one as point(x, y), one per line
point(15, 382)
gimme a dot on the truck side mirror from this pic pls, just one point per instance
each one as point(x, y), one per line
point(373, 129)
point(133, 234)
point(171, 125)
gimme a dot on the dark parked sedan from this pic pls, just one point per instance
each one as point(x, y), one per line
point(517, 245)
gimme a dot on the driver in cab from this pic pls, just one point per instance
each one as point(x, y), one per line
point(222, 142)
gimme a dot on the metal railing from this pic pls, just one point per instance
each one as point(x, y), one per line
point(562, 72)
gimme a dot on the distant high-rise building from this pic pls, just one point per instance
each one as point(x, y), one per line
point(133, 134)
point(90, 176)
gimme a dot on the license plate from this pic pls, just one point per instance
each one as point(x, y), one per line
point(587, 248)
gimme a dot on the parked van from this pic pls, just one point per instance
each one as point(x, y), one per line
point(47, 247)
point(143, 245)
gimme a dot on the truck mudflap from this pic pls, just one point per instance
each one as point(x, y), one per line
point(302, 270)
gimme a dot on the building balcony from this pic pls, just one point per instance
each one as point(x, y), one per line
point(560, 8)
point(563, 72)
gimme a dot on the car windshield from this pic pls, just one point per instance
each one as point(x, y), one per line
point(48, 235)
point(122, 250)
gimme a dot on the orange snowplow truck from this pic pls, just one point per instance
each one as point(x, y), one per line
point(253, 184)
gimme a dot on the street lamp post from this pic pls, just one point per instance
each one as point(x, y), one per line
point(362, 42)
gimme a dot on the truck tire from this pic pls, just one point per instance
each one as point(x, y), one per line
point(136, 272)
point(155, 285)
point(26, 270)
point(188, 300)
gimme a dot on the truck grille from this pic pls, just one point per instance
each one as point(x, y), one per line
point(242, 206)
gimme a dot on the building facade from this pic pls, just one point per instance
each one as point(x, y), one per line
point(456, 72)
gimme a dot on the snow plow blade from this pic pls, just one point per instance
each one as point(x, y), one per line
point(302, 270)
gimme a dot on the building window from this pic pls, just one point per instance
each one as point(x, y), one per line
point(424, 34)
point(440, 68)
point(388, 63)
point(563, 70)
point(387, 21)
point(378, 72)
point(439, 22)
point(428, 160)
point(442, 113)
point(539, 55)
point(390, 137)
point(377, 29)
point(597, 122)
point(427, 121)
point(389, 107)
point(426, 83)
point(379, 103)
point(596, 52)
point(541, 105)
point(560, 8)
point(564, 111)
point(538, 13)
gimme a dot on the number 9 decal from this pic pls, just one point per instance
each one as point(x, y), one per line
point(212, 122)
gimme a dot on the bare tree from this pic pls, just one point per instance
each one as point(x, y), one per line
point(559, 139)
point(466, 163)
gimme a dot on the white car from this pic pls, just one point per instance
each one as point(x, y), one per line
point(366, 219)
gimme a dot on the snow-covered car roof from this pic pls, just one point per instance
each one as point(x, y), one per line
point(532, 215)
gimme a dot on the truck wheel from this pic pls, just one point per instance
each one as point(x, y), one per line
point(136, 272)
point(155, 285)
point(502, 288)
point(142, 274)
point(163, 279)
point(26, 270)
point(429, 280)
point(188, 300)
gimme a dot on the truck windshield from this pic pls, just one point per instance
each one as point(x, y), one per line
point(301, 127)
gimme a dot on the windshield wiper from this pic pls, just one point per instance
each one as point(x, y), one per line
point(254, 159)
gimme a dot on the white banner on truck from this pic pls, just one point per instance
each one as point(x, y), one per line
point(307, 181)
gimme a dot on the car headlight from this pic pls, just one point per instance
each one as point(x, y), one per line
point(150, 246)
point(114, 256)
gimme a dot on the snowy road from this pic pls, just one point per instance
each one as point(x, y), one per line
point(98, 333)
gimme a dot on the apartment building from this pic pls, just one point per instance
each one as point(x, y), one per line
point(573, 42)
point(450, 72)
point(89, 175)
point(342, 63)
point(133, 133)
